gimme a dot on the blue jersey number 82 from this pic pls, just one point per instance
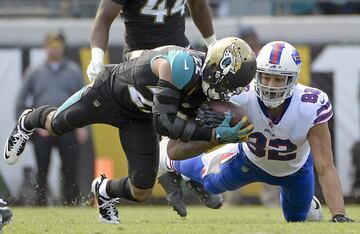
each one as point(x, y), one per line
point(275, 149)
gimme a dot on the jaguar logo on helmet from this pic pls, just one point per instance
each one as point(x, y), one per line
point(229, 66)
point(231, 60)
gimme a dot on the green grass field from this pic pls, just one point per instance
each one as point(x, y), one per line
point(161, 219)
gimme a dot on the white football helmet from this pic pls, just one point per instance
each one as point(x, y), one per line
point(229, 66)
point(277, 58)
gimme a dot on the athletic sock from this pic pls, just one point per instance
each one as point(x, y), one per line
point(120, 188)
point(102, 189)
point(37, 118)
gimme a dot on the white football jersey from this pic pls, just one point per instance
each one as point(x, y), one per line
point(280, 147)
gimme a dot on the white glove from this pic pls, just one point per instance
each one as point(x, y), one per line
point(209, 40)
point(96, 64)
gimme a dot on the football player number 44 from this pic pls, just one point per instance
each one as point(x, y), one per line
point(157, 8)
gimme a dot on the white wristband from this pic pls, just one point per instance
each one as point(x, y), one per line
point(97, 54)
point(209, 40)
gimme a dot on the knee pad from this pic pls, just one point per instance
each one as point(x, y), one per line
point(144, 178)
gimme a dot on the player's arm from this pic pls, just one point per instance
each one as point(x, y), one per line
point(107, 11)
point(320, 143)
point(179, 150)
point(166, 102)
point(201, 15)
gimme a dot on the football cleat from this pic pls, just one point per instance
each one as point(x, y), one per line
point(315, 212)
point(16, 142)
point(171, 182)
point(213, 201)
point(107, 209)
point(5, 214)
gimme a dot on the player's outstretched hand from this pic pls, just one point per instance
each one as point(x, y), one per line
point(341, 218)
point(227, 134)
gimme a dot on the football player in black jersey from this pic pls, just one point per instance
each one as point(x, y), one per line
point(150, 24)
point(156, 93)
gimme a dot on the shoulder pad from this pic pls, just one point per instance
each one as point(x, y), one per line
point(315, 103)
point(182, 67)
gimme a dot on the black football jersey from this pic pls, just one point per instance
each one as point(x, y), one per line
point(133, 84)
point(153, 23)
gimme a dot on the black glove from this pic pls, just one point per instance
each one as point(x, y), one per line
point(341, 218)
point(207, 118)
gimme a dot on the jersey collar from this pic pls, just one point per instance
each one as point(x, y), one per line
point(265, 110)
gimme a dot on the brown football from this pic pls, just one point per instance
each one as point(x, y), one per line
point(226, 106)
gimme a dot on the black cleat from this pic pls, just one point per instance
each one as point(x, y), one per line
point(213, 201)
point(16, 142)
point(171, 182)
point(5, 214)
point(107, 209)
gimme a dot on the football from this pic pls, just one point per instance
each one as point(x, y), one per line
point(226, 106)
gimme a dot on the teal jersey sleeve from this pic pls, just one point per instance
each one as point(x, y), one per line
point(182, 67)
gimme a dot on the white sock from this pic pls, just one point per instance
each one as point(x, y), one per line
point(102, 189)
point(22, 126)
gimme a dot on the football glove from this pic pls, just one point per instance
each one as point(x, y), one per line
point(227, 134)
point(209, 40)
point(341, 218)
point(96, 64)
point(207, 118)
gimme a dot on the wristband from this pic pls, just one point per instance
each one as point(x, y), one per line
point(97, 54)
point(209, 40)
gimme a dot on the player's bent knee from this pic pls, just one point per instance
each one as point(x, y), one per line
point(144, 178)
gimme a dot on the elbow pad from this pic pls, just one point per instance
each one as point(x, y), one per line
point(166, 102)
point(181, 129)
point(175, 127)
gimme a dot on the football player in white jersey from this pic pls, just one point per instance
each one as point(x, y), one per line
point(290, 136)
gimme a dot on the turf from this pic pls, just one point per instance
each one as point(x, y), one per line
point(161, 219)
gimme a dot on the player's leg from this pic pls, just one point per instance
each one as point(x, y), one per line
point(173, 188)
point(42, 147)
point(30, 119)
point(221, 170)
point(87, 106)
point(228, 170)
point(170, 180)
point(140, 144)
point(297, 192)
